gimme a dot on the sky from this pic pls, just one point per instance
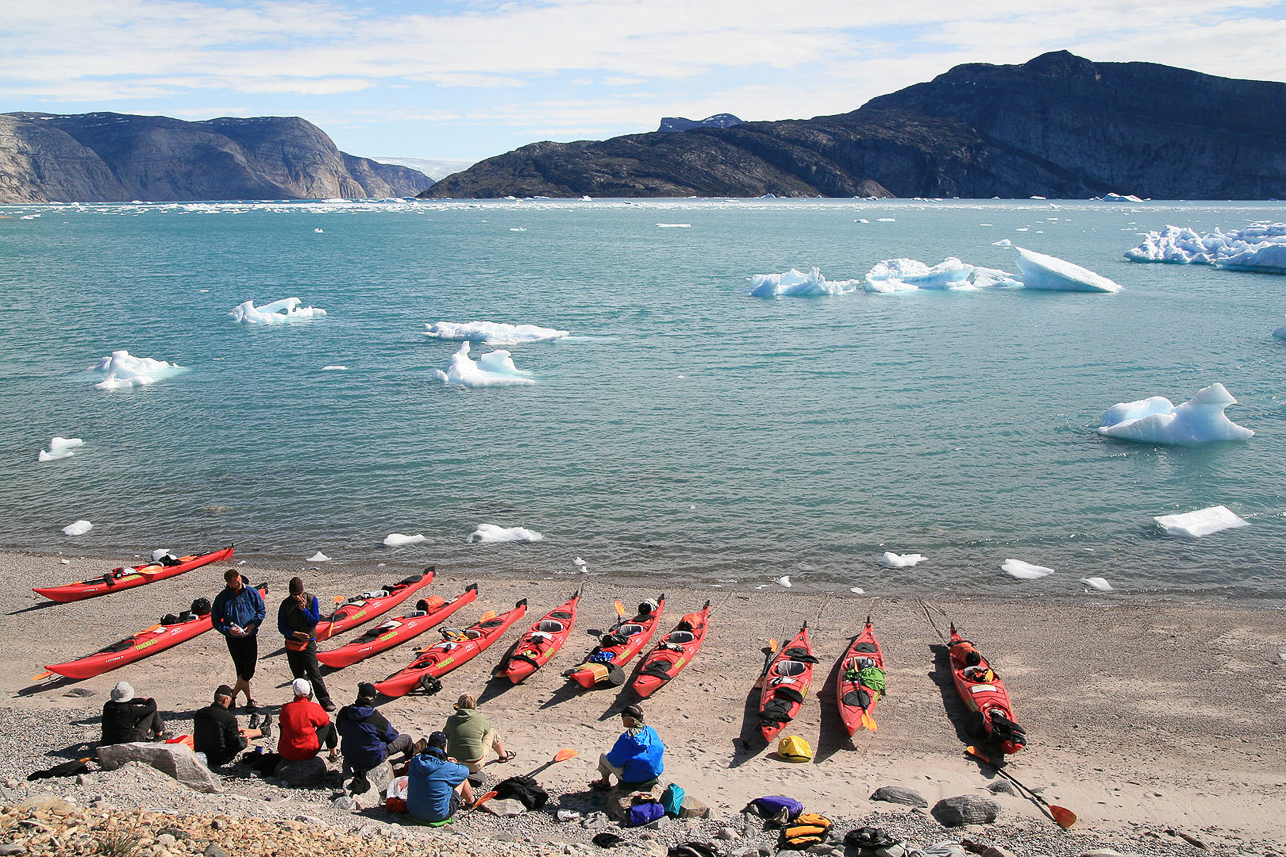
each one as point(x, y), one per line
point(467, 79)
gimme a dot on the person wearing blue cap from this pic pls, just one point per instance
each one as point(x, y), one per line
point(437, 785)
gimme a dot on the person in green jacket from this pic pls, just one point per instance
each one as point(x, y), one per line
point(470, 736)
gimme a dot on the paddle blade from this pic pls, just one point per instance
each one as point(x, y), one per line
point(620, 609)
point(490, 614)
point(566, 753)
point(44, 675)
point(1064, 817)
point(869, 722)
point(337, 599)
point(480, 801)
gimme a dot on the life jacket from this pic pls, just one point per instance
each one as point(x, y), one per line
point(806, 830)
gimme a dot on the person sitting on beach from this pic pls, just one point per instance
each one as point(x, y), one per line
point(127, 718)
point(366, 737)
point(437, 785)
point(636, 758)
point(215, 731)
point(305, 726)
point(470, 736)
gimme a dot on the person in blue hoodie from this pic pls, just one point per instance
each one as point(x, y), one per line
point(297, 619)
point(366, 738)
point(237, 612)
point(436, 785)
point(636, 758)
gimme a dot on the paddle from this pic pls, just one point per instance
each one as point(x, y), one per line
point(561, 756)
point(1062, 816)
point(769, 651)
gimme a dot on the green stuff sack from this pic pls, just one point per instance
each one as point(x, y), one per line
point(806, 830)
point(793, 748)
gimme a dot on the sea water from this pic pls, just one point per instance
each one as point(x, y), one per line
point(682, 431)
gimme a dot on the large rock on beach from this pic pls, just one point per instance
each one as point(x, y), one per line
point(306, 774)
point(965, 809)
point(176, 760)
point(898, 794)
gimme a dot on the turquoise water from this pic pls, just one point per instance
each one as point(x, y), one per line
point(684, 430)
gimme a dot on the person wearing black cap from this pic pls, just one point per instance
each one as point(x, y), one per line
point(297, 619)
point(437, 785)
point(215, 731)
point(366, 737)
point(636, 758)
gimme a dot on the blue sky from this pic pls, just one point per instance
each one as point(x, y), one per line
point(466, 80)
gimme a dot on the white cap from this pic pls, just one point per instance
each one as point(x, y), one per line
point(302, 687)
point(123, 692)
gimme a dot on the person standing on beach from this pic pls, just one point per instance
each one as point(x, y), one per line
point(297, 619)
point(126, 718)
point(238, 612)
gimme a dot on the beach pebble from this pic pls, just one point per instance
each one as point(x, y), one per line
point(898, 794)
point(1000, 787)
point(12, 848)
point(214, 850)
point(727, 833)
point(965, 809)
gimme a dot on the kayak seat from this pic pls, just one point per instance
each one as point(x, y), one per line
point(550, 626)
point(680, 637)
point(865, 648)
point(629, 630)
point(791, 668)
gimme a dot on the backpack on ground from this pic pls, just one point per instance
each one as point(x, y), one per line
point(672, 799)
point(775, 808)
point(523, 789)
point(793, 748)
point(806, 830)
point(693, 849)
point(644, 812)
point(873, 842)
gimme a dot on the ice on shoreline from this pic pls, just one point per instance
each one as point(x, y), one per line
point(492, 333)
point(1202, 522)
point(318, 557)
point(495, 369)
point(1098, 583)
point(394, 540)
point(1201, 419)
point(1049, 273)
point(60, 447)
point(784, 581)
point(900, 275)
point(1256, 248)
point(795, 283)
point(487, 534)
point(277, 312)
point(77, 528)
point(122, 370)
point(1025, 570)
point(906, 560)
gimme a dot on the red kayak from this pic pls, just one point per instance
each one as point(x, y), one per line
point(857, 698)
point(984, 695)
point(786, 683)
point(119, 579)
point(617, 646)
point(541, 642)
point(457, 649)
point(158, 638)
point(394, 632)
point(368, 605)
point(668, 658)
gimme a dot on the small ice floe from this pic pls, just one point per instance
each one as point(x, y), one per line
point(60, 447)
point(1025, 570)
point(580, 563)
point(1097, 583)
point(586, 199)
point(1261, 247)
point(335, 368)
point(496, 369)
point(318, 230)
point(65, 561)
point(856, 590)
point(1280, 333)
point(1202, 522)
point(886, 220)
point(394, 540)
point(1116, 197)
point(1049, 273)
point(798, 284)
point(1201, 419)
point(906, 560)
point(784, 581)
point(277, 312)
point(492, 333)
point(122, 370)
point(674, 226)
point(77, 528)
point(901, 275)
point(487, 534)
point(517, 229)
point(318, 557)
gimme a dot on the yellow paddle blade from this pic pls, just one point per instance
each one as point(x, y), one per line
point(44, 675)
point(337, 599)
point(490, 614)
point(564, 754)
point(869, 722)
point(772, 645)
point(620, 609)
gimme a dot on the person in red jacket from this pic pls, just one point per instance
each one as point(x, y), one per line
point(305, 726)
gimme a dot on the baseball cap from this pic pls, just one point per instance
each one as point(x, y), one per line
point(301, 687)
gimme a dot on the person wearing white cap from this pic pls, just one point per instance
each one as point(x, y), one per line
point(127, 718)
point(305, 726)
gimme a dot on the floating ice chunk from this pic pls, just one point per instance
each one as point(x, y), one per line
point(318, 557)
point(673, 225)
point(334, 368)
point(797, 284)
point(1280, 333)
point(517, 228)
point(277, 312)
point(906, 560)
point(492, 534)
point(121, 370)
point(1116, 197)
point(492, 333)
point(60, 447)
point(496, 369)
point(1202, 522)
point(1025, 570)
point(1039, 271)
point(898, 275)
point(394, 540)
point(1003, 242)
point(1198, 420)
point(856, 590)
point(578, 561)
point(784, 580)
point(1260, 247)
point(886, 220)
point(319, 231)
point(1097, 583)
point(988, 278)
point(77, 528)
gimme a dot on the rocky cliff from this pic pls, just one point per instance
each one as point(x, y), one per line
point(1058, 126)
point(105, 157)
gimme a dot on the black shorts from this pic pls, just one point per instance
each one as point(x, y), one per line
point(245, 654)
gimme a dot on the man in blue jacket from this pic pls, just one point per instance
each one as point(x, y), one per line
point(297, 619)
point(436, 786)
point(238, 611)
point(635, 759)
point(366, 738)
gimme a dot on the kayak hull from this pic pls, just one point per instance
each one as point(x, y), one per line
point(395, 632)
point(355, 613)
point(638, 631)
point(674, 652)
point(786, 684)
point(850, 695)
point(442, 658)
point(129, 578)
point(985, 695)
point(541, 642)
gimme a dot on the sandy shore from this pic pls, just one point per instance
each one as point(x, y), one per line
point(1140, 716)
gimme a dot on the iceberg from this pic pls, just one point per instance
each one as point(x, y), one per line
point(784, 581)
point(121, 370)
point(906, 560)
point(1155, 420)
point(1116, 197)
point(492, 534)
point(1200, 523)
point(1049, 273)
point(492, 333)
point(899, 275)
point(277, 312)
point(318, 557)
point(1025, 570)
point(77, 528)
point(1098, 583)
point(60, 447)
point(795, 283)
point(394, 540)
point(496, 369)
point(1261, 247)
